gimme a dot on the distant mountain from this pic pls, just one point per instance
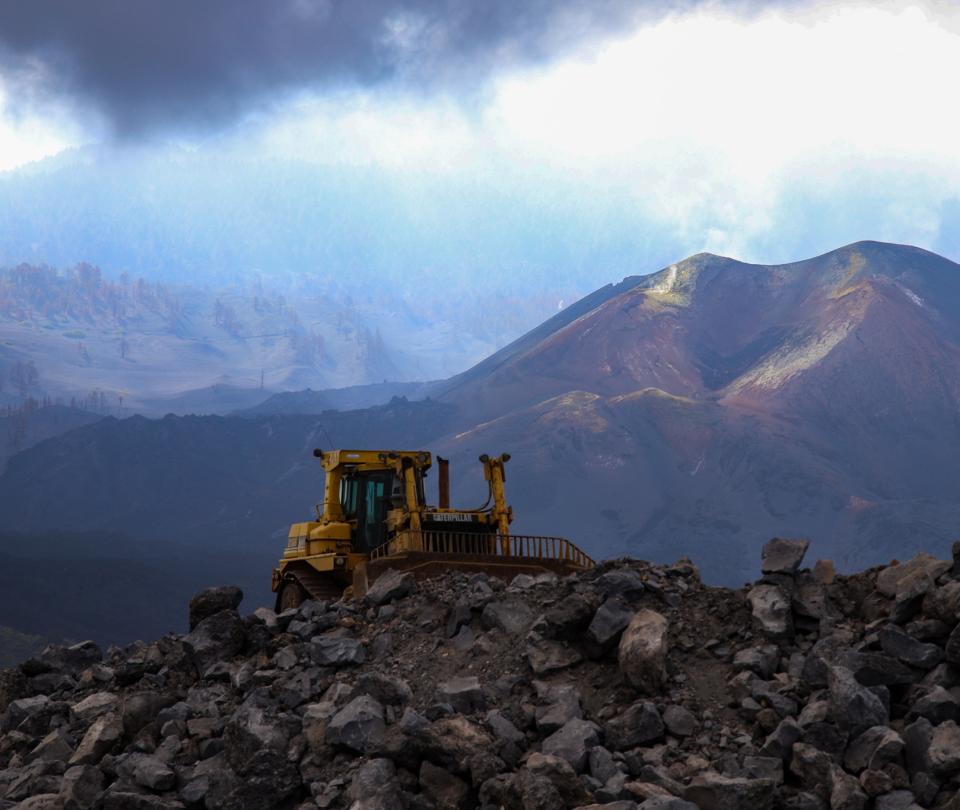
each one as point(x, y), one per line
point(336, 399)
point(696, 411)
point(121, 345)
point(716, 403)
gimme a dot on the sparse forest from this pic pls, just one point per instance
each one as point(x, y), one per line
point(81, 294)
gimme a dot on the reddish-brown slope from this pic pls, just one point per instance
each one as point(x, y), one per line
point(715, 403)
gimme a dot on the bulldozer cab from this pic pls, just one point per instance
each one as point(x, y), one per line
point(374, 494)
point(367, 497)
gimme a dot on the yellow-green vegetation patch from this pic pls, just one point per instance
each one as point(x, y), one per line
point(794, 358)
point(575, 406)
point(849, 274)
point(652, 392)
point(673, 286)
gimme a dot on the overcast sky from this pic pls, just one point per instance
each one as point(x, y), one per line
point(762, 131)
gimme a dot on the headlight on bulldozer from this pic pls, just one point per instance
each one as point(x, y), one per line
point(339, 562)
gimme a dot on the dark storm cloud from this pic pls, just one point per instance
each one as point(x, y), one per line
point(150, 64)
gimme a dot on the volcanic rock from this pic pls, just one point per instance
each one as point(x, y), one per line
point(643, 651)
point(944, 751)
point(464, 694)
point(771, 610)
point(513, 616)
point(639, 724)
point(607, 625)
point(783, 556)
point(104, 733)
point(357, 705)
point(855, 708)
point(573, 742)
point(445, 790)
point(713, 791)
point(213, 600)
point(897, 643)
point(216, 638)
point(358, 726)
point(391, 585)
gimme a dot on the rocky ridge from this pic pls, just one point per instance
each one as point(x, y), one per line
point(627, 686)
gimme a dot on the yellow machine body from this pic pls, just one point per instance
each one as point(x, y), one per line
point(375, 516)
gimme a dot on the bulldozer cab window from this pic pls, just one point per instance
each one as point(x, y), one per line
point(375, 490)
point(349, 490)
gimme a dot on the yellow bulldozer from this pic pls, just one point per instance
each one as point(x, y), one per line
point(375, 517)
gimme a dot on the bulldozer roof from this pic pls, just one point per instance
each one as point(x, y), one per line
point(371, 459)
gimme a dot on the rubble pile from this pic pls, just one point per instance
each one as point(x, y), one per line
point(626, 686)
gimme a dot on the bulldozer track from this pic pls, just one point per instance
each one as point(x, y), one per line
point(322, 587)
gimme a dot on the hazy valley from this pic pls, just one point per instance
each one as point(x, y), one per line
point(121, 346)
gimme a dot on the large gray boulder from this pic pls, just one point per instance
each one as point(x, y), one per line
point(680, 721)
point(72, 659)
point(358, 726)
point(337, 651)
point(622, 582)
point(81, 787)
point(937, 705)
point(375, 787)
point(251, 729)
point(944, 751)
point(874, 668)
point(900, 579)
point(772, 613)
point(101, 738)
point(212, 600)
point(855, 708)
point(391, 585)
point(897, 643)
point(781, 556)
point(216, 638)
point(845, 791)
point(151, 772)
point(463, 693)
point(505, 731)
point(780, 741)
point(513, 616)
point(762, 660)
point(561, 704)
point(607, 626)
point(55, 747)
point(546, 655)
point(873, 749)
point(943, 603)
point(92, 706)
point(566, 620)
point(23, 710)
point(573, 743)
point(639, 724)
point(813, 768)
point(642, 653)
